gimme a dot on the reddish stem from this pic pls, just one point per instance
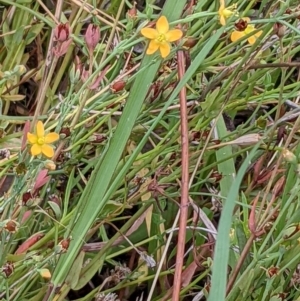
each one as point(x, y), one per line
point(184, 181)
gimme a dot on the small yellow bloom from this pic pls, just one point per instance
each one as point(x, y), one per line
point(226, 12)
point(161, 37)
point(236, 35)
point(40, 142)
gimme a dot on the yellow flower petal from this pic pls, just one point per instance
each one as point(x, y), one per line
point(162, 25)
point(31, 138)
point(164, 49)
point(149, 33)
point(251, 40)
point(173, 35)
point(249, 29)
point(222, 3)
point(35, 149)
point(51, 137)
point(153, 46)
point(246, 19)
point(222, 20)
point(258, 34)
point(236, 35)
point(40, 132)
point(47, 150)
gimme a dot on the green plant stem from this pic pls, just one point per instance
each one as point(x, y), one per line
point(42, 92)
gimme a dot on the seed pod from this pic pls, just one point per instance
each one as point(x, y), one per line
point(279, 29)
point(118, 86)
point(190, 42)
point(11, 226)
point(241, 25)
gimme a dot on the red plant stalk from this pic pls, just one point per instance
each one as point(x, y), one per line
point(184, 182)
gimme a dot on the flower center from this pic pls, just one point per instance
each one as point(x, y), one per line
point(227, 13)
point(249, 29)
point(41, 141)
point(161, 38)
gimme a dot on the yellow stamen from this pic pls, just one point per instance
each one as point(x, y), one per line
point(161, 38)
point(41, 140)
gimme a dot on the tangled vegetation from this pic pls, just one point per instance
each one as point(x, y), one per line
point(149, 150)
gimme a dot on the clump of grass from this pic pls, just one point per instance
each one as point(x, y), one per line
point(154, 171)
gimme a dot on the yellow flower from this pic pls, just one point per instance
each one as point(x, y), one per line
point(40, 142)
point(236, 35)
point(226, 12)
point(161, 37)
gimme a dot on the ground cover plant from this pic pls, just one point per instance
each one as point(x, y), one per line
point(149, 150)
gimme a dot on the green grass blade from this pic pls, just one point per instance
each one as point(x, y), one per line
point(226, 168)
point(219, 270)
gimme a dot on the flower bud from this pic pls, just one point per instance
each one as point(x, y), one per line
point(8, 268)
point(190, 42)
point(45, 273)
point(20, 70)
point(289, 156)
point(27, 198)
point(11, 226)
point(289, 11)
point(62, 32)
point(65, 132)
point(279, 29)
point(74, 74)
point(132, 13)
point(92, 37)
point(63, 246)
point(50, 165)
point(98, 138)
point(54, 198)
point(272, 271)
point(20, 169)
point(118, 86)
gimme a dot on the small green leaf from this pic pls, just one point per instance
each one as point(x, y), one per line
point(34, 31)
point(56, 209)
